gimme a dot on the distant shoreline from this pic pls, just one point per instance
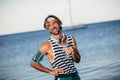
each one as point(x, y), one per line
point(79, 26)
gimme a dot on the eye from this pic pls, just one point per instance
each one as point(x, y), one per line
point(47, 25)
point(55, 23)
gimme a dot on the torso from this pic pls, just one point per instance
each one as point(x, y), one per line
point(49, 52)
point(52, 55)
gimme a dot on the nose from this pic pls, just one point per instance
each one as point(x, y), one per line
point(52, 25)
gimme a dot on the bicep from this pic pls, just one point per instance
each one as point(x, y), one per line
point(44, 48)
point(39, 54)
point(37, 57)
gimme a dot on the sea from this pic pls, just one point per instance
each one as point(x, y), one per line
point(98, 44)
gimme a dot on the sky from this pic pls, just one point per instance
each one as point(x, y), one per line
point(17, 16)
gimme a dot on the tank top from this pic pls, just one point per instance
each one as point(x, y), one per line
point(61, 60)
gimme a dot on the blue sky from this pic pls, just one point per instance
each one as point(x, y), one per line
point(18, 16)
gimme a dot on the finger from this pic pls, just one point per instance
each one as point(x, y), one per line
point(71, 49)
point(61, 70)
point(56, 74)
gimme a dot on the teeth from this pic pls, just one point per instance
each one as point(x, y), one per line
point(54, 29)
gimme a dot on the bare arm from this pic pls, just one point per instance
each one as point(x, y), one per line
point(44, 48)
point(75, 54)
point(40, 67)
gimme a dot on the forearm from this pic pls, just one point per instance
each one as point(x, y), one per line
point(40, 67)
point(76, 56)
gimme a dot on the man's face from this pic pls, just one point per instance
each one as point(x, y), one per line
point(53, 26)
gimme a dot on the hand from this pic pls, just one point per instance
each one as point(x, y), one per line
point(69, 50)
point(57, 71)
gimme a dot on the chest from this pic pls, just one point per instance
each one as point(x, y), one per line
point(57, 50)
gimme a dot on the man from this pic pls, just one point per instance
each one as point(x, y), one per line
point(61, 51)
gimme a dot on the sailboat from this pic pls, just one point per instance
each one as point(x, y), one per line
point(82, 26)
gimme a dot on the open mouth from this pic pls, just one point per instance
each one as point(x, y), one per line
point(54, 29)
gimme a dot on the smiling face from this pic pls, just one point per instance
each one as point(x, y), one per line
point(53, 26)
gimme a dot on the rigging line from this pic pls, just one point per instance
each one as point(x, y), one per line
point(64, 9)
point(70, 12)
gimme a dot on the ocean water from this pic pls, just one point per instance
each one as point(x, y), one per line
point(98, 44)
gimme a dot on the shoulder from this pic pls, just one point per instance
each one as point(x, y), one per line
point(44, 47)
point(71, 37)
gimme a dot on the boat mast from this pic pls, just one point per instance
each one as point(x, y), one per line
point(70, 12)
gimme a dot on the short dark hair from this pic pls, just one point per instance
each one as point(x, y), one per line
point(53, 16)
